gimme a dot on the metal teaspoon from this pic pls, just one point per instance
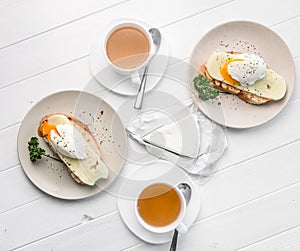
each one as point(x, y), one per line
point(156, 37)
point(186, 191)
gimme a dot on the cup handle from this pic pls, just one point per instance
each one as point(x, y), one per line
point(181, 228)
point(135, 78)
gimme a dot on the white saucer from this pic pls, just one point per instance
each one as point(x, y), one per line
point(160, 171)
point(116, 82)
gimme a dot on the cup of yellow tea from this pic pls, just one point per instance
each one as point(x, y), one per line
point(160, 208)
point(128, 47)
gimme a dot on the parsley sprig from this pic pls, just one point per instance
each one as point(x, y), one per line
point(205, 91)
point(36, 152)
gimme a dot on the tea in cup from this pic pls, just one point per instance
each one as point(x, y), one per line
point(128, 47)
point(160, 208)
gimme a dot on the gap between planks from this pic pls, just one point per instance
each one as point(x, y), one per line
point(98, 11)
point(249, 202)
point(22, 205)
point(84, 56)
point(217, 171)
point(43, 72)
point(70, 62)
point(235, 208)
point(268, 238)
point(66, 229)
point(196, 14)
point(63, 24)
point(285, 21)
point(196, 222)
point(257, 156)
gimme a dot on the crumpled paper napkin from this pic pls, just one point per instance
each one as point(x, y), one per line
point(213, 141)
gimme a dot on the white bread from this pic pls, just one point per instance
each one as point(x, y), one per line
point(77, 168)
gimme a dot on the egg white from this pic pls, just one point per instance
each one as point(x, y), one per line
point(90, 168)
point(69, 141)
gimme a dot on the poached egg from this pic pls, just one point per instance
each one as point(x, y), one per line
point(246, 72)
point(75, 149)
point(67, 140)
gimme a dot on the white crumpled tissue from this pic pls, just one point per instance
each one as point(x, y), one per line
point(212, 145)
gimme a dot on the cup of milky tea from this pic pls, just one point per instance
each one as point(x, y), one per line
point(160, 208)
point(128, 47)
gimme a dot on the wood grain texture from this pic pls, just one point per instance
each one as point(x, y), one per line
point(73, 41)
point(228, 231)
point(286, 240)
point(237, 187)
point(22, 20)
point(251, 203)
point(224, 230)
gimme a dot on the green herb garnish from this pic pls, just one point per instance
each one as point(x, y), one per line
point(205, 91)
point(36, 152)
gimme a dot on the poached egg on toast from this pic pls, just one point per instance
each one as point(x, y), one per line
point(245, 75)
point(75, 145)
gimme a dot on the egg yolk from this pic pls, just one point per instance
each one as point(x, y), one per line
point(45, 128)
point(225, 74)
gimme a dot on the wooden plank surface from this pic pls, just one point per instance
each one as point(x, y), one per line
point(251, 203)
point(73, 41)
point(22, 20)
point(234, 203)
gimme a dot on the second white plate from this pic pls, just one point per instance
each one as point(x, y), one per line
point(249, 37)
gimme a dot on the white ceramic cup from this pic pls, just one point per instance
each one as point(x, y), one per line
point(177, 224)
point(132, 72)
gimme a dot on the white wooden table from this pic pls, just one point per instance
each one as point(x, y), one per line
point(251, 203)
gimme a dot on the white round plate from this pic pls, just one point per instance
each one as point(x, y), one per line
point(243, 36)
point(51, 176)
point(160, 171)
point(116, 82)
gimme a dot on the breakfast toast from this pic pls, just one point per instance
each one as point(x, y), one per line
point(79, 169)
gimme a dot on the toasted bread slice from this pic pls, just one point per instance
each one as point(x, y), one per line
point(244, 95)
point(83, 171)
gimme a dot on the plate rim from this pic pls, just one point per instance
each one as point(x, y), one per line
point(195, 98)
point(72, 198)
